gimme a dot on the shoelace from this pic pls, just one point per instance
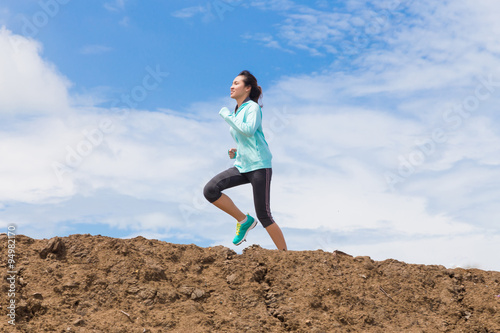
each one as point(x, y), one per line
point(238, 227)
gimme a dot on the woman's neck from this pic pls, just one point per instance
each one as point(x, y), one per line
point(242, 100)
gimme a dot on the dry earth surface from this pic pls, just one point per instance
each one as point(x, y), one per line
point(85, 283)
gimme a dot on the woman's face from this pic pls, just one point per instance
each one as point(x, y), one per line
point(238, 88)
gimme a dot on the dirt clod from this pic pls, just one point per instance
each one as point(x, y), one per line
point(55, 248)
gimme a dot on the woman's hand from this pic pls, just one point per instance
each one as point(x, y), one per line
point(232, 153)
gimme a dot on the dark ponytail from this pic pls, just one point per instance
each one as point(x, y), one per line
point(250, 80)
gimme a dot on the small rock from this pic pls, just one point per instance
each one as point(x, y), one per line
point(231, 278)
point(172, 296)
point(185, 290)
point(259, 274)
point(133, 290)
point(38, 296)
point(338, 253)
point(55, 247)
point(154, 273)
point(197, 293)
point(369, 265)
point(79, 322)
point(71, 285)
point(147, 294)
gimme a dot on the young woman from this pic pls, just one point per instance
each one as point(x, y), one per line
point(252, 162)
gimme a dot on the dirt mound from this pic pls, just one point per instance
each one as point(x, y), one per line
point(85, 283)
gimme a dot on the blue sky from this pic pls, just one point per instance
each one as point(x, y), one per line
point(381, 116)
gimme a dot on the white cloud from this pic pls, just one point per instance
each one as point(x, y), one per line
point(145, 151)
point(474, 250)
point(27, 148)
point(342, 31)
point(427, 31)
point(53, 151)
point(29, 84)
point(349, 128)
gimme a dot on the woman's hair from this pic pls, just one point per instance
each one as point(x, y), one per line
point(250, 80)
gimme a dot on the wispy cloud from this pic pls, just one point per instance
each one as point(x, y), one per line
point(4, 15)
point(211, 10)
point(95, 49)
point(274, 5)
point(342, 31)
point(115, 6)
point(190, 12)
point(266, 40)
point(125, 22)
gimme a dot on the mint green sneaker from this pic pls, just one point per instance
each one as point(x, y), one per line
point(243, 229)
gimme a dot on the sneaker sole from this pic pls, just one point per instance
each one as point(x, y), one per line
point(246, 233)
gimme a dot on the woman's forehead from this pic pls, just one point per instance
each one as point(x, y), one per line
point(239, 78)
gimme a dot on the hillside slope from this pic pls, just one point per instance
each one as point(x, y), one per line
point(85, 283)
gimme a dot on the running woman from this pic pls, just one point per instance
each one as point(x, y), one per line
point(252, 162)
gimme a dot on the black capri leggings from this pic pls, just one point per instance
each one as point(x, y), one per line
point(261, 183)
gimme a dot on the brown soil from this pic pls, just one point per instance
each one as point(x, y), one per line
point(85, 283)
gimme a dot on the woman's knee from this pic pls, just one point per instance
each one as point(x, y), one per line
point(211, 192)
point(265, 218)
point(266, 221)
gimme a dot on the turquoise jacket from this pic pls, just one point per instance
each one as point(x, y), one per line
point(246, 129)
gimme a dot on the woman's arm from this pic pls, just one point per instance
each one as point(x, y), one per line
point(247, 127)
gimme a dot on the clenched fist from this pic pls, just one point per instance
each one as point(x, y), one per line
point(232, 153)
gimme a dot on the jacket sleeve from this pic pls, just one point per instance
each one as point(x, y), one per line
point(252, 121)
